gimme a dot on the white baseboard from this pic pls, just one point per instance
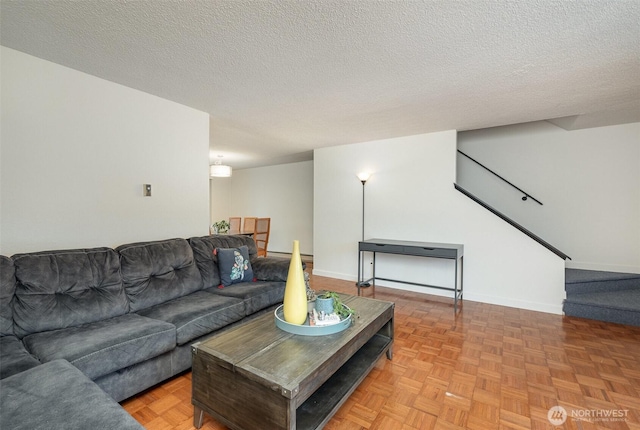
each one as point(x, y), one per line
point(482, 298)
point(511, 303)
point(341, 276)
point(603, 267)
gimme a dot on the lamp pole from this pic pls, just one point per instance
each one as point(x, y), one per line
point(364, 176)
point(363, 182)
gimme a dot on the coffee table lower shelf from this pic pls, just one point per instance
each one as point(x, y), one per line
point(258, 376)
point(318, 409)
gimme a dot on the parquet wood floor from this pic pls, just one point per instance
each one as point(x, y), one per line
point(489, 367)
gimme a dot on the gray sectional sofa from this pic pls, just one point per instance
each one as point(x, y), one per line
point(124, 317)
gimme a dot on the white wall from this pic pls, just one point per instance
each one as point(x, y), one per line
point(283, 192)
point(220, 198)
point(76, 151)
point(588, 181)
point(410, 196)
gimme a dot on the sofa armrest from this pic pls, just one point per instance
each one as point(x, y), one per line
point(271, 268)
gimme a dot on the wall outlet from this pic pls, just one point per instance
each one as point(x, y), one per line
point(146, 190)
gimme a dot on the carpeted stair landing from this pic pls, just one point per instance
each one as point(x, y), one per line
point(604, 296)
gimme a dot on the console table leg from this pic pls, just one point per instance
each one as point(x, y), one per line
point(198, 417)
point(373, 279)
point(455, 288)
point(461, 275)
point(359, 282)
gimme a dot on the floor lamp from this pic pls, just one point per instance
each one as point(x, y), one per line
point(364, 176)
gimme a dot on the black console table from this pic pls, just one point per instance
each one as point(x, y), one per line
point(448, 251)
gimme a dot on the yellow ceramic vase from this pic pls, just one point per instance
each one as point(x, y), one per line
point(295, 292)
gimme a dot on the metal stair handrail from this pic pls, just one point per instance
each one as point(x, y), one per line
point(526, 195)
point(513, 223)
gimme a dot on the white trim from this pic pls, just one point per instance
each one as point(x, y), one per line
point(482, 298)
point(511, 303)
point(603, 267)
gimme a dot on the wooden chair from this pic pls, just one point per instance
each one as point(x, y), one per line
point(234, 224)
point(261, 235)
point(249, 224)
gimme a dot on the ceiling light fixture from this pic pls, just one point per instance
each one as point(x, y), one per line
point(219, 170)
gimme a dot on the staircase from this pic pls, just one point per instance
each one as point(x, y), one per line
point(604, 296)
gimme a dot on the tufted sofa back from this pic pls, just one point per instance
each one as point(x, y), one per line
point(155, 272)
point(208, 263)
point(7, 288)
point(58, 289)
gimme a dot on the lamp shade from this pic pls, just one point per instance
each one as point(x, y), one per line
point(220, 171)
point(364, 176)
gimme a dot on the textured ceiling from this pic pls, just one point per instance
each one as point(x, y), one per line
point(280, 78)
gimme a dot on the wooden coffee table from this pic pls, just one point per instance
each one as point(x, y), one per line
point(257, 376)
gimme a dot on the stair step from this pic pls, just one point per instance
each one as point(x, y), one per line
point(603, 296)
point(626, 299)
point(578, 281)
point(622, 307)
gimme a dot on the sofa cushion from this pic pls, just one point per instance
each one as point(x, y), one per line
point(234, 265)
point(59, 289)
point(7, 289)
point(256, 295)
point(57, 396)
point(197, 314)
point(208, 262)
point(105, 346)
point(272, 268)
point(127, 382)
point(14, 358)
point(156, 272)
